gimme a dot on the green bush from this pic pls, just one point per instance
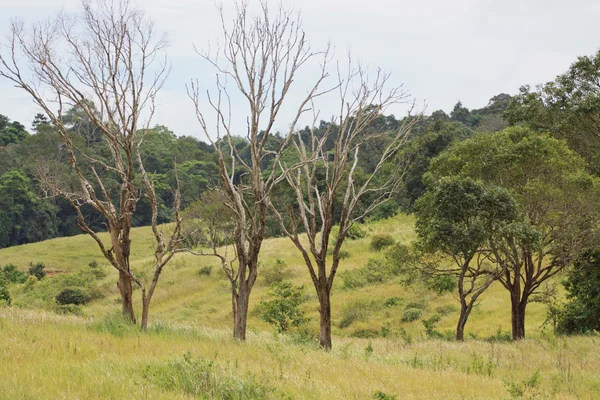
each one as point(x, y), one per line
point(373, 272)
point(116, 324)
point(412, 314)
point(37, 270)
point(380, 242)
point(4, 293)
point(283, 310)
point(446, 310)
point(421, 305)
point(430, 324)
point(13, 275)
point(392, 302)
point(356, 232)
point(276, 273)
point(205, 271)
point(202, 379)
point(441, 284)
point(71, 296)
point(365, 333)
point(358, 310)
point(379, 395)
point(69, 309)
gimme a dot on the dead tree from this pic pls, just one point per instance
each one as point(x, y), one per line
point(108, 62)
point(318, 185)
point(261, 56)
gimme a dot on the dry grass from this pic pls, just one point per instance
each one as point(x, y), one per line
point(46, 356)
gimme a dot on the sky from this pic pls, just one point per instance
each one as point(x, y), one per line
point(440, 51)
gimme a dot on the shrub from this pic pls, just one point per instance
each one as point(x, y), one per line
point(283, 310)
point(203, 379)
point(380, 242)
point(344, 254)
point(374, 271)
point(365, 333)
point(392, 302)
point(37, 270)
point(379, 395)
point(205, 271)
point(115, 324)
point(412, 314)
point(356, 232)
point(358, 310)
point(446, 310)
point(276, 273)
point(441, 284)
point(93, 264)
point(13, 275)
point(68, 309)
point(4, 293)
point(71, 296)
point(429, 324)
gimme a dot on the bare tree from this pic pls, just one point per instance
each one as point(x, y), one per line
point(319, 185)
point(108, 62)
point(262, 56)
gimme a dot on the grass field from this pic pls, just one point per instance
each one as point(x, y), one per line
point(189, 353)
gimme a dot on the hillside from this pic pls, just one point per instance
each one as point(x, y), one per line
point(94, 356)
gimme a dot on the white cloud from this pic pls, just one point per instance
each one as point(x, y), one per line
point(441, 50)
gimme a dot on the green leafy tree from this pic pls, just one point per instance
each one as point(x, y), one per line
point(582, 312)
point(568, 107)
point(460, 218)
point(557, 202)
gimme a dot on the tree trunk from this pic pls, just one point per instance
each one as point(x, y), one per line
point(325, 317)
point(126, 290)
point(518, 307)
point(145, 311)
point(462, 321)
point(240, 314)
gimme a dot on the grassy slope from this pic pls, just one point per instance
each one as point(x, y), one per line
point(41, 345)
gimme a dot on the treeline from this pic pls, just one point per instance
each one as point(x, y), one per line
point(28, 215)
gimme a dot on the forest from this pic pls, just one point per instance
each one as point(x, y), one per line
point(498, 204)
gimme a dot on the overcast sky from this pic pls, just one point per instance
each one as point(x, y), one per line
point(442, 51)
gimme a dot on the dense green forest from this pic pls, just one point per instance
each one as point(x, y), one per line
point(28, 215)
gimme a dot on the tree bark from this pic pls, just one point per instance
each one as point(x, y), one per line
point(325, 317)
point(518, 308)
point(462, 321)
point(126, 290)
point(240, 315)
point(145, 312)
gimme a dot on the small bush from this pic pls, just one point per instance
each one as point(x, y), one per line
point(203, 379)
point(4, 293)
point(356, 232)
point(93, 264)
point(30, 282)
point(430, 324)
point(441, 284)
point(69, 309)
point(392, 302)
point(373, 272)
point(13, 275)
point(358, 310)
point(365, 333)
point(276, 273)
point(344, 254)
point(446, 310)
point(421, 305)
point(379, 395)
point(115, 324)
point(412, 314)
point(71, 296)
point(205, 271)
point(283, 310)
point(37, 270)
point(380, 242)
